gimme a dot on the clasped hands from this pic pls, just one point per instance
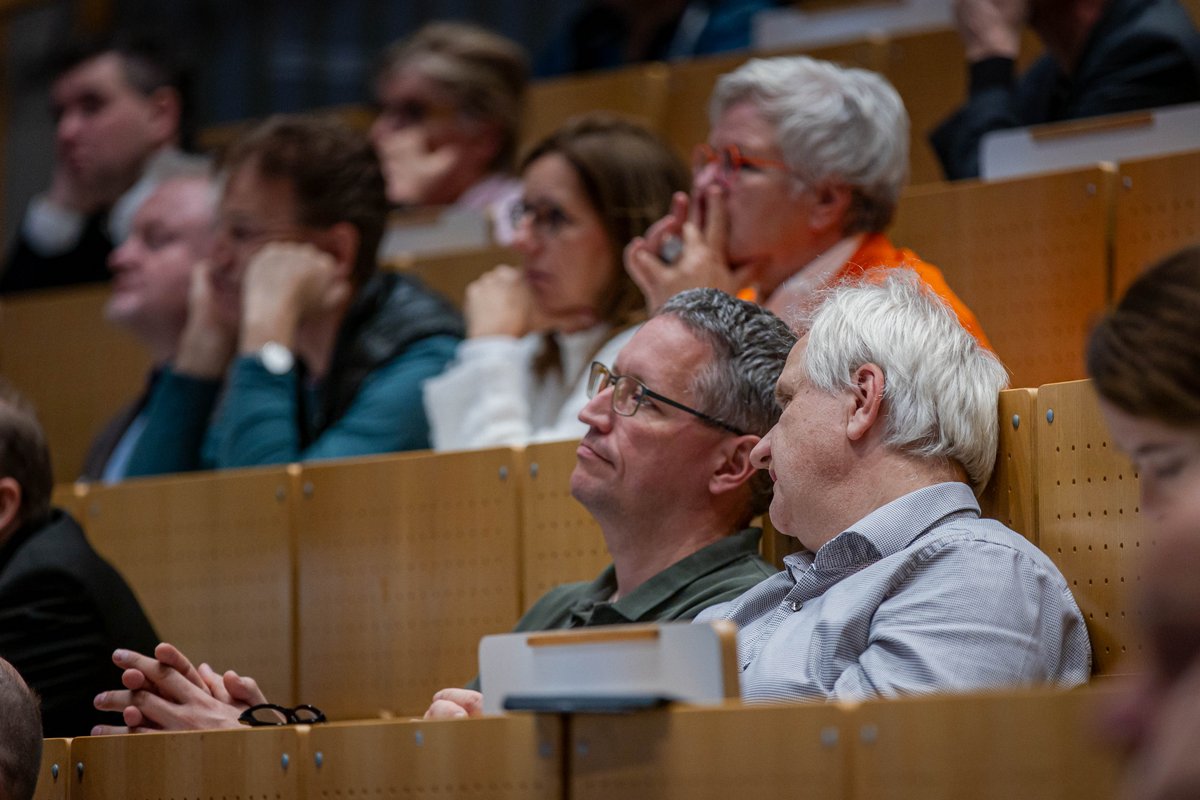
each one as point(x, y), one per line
point(166, 693)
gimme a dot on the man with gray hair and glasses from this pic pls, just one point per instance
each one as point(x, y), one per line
point(665, 470)
point(800, 176)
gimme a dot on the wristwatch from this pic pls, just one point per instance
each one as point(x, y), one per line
point(276, 358)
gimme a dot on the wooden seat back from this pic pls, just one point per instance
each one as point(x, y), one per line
point(403, 564)
point(1029, 256)
point(209, 557)
point(1088, 520)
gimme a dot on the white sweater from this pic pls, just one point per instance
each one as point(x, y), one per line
point(490, 397)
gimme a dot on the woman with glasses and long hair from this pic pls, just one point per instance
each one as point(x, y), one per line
point(532, 332)
point(1144, 360)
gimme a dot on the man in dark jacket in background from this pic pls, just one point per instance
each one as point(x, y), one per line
point(1102, 57)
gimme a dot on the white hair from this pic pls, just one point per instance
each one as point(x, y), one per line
point(832, 123)
point(941, 386)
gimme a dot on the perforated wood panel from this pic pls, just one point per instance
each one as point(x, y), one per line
point(685, 122)
point(1029, 256)
point(1088, 517)
point(743, 752)
point(560, 541)
point(77, 369)
point(1009, 496)
point(493, 758)
point(450, 273)
point(997, 747)
point(404, 563)
point(1158, 212)
point(209, 557)
point(637, 92)
point(249, 764)
point(53, 781)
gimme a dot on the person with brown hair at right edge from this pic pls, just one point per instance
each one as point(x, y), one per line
point(1144, 359)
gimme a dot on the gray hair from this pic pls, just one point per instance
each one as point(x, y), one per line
point(832, 123)
point(750, 346)
point(20, 736)
point(940, 385)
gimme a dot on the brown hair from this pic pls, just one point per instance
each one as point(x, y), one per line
point(24, 455)
point(333, 171)
point(629, 175)
point(20, 736)
point(484, 72)
point(1144, 355)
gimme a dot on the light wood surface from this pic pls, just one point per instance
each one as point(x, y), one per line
point(560, 540)
point(53, 777)
point(404, 563)
point(1157, 213)
point(56, 347)
point(1029, 256)
point(236, 764)
point(497, 758)
point(1088, 520)
point(1009, 496)
point(450, 273)
point(1000, 747)
point(209, 557)
point(749, 752)
point(638, 93)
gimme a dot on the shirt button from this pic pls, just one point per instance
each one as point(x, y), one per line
point(795, 605)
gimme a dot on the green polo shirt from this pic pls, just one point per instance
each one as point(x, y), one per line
point(719, 572)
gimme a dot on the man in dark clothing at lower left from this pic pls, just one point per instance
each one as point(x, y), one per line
point(63, 608)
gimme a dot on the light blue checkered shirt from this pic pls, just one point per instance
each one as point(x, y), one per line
point(919, 596)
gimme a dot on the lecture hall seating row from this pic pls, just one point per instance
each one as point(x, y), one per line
point(365, 585)
point(1030, 745)
point(1036, 258)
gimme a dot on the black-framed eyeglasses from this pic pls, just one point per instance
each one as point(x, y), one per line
point(628, 394)
point(548, 218)
point(266, 714)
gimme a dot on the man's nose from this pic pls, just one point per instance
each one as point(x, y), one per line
point(598, 412)
point(760, 456)
point(68, 127)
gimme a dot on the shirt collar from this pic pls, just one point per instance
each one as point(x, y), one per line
point(890, 528)
point(650, 595)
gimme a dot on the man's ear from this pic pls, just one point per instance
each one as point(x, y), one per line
point(166, 112)
point(735, 467)
point(830, 207)
point(341, 241)
point(867, 394)
point(10, 506)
